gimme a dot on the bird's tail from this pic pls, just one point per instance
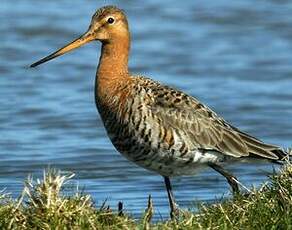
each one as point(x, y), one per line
point(259, 149)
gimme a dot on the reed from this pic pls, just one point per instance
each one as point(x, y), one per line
point(52, 203)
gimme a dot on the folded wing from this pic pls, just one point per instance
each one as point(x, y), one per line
point(206, 129)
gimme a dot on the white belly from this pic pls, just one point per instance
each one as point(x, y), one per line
point(168, 164)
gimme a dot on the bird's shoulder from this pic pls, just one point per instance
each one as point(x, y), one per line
point(170, 101)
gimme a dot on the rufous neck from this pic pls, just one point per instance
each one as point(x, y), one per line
point(112, 72)
point(114, 59)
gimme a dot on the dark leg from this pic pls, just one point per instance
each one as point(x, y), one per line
point(229, 177)
point(172, 204)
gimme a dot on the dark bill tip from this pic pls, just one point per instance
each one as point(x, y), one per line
point(34, 64)
point(87, 37)
point(43, 60)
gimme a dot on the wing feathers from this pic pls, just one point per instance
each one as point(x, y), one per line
point(204, 128)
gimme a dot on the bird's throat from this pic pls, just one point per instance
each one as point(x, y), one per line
point(112, 72)
point(113, 59)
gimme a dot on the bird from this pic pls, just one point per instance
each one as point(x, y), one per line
point(158, 127)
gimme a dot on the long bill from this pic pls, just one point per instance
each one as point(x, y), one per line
point(85, 38)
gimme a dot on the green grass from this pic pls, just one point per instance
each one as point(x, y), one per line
point(47, 204)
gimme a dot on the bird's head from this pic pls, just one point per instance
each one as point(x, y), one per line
point(108, 24)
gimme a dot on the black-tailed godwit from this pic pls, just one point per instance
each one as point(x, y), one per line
point(158, 127)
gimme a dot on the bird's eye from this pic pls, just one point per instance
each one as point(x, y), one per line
point(110, 20)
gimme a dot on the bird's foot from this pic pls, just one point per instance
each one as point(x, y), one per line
point(233, 182)
point(175, 212)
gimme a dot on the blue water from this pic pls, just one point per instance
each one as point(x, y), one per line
point(235, 56)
